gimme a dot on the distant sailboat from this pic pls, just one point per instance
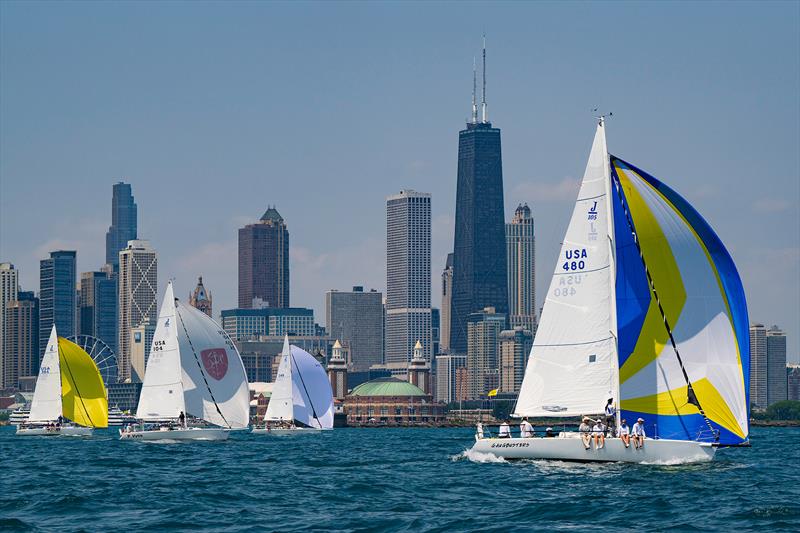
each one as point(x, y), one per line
point(302, 399)
point(70, 397)
point(195, 385)
point(645, 307)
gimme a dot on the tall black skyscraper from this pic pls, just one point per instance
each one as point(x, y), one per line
point(479, 260)
point(123, 223)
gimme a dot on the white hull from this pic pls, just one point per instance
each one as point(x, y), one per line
point(284, 432)
point(175, 434)
point(69, 431)
point(572, 449)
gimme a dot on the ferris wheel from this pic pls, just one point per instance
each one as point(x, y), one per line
point(102, 355)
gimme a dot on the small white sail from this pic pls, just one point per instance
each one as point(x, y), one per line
point(214, 377)
point(573, 364)
point(162, 391)
point(281, 402)
point(46, 404)
point(313, 398)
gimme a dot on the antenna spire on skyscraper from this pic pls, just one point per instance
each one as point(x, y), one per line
point(484, 112)
point(474, 91)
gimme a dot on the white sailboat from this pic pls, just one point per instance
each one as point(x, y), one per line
point(195, 385)
point(70, 397)
point(645, 307)
point(302, 399)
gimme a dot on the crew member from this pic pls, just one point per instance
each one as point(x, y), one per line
point(611, 417)
point(479, 431)
point(525, 429)
point(638, 434)
point(586, 432)
point(182, 419)
point(625, 433)
point(599, 432)
point(505, 430)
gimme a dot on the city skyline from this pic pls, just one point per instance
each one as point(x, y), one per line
point(547, 129)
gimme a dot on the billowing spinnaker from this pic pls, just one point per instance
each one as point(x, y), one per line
point(162, 390)
point(702, 298)
point(214, 378)
point(83, 394)
point(313, 398)
point(572, 368)
point(46, 403)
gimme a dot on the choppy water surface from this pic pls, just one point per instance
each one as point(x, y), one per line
point(381, 480)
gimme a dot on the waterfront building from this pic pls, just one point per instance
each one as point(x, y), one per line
point(9, 287)
point(479, 246)
point(259, 353)
point(447, 367)
point(244, 324)
point(391, 401)
point(521, 248)
point(123, 223)
point(200, 298)
point(141, 339)
point(98, 301)
point(264, 262)
point(447, 293)
point(125, 396)
point(483, 334)
point(20, 353)
point(356, 318)
point(138, 299)
point(337, 372)
point(57, 296)
point(776, 366)
point(514, 348)
point(793, 382)
point(767, 365)
point(419, 370)
point(408, 276)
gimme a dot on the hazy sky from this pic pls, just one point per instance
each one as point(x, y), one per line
point(214, 111)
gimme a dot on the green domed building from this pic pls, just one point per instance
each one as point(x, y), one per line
point(391, 401)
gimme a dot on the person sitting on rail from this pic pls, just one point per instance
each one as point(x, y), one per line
point(549, 433)
point(638, 434)
point(625, 433)
point(586, 432)
point(599, 432)
point(505, 430)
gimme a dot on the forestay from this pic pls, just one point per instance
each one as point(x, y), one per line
point(46, 404)
point(572, 368)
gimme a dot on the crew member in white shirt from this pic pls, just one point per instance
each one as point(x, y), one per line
point(505, 430)
point(611, 417)
point(625, 433)
point(599, 432)
point(637, 434)
point(586, 432)
point(525, 429)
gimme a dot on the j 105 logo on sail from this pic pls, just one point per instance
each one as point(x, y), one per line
point(593, 212)
point(215, 361)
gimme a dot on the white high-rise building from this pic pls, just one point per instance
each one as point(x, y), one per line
point(768, 382)
point(447, 381)
point(9, 287)
point(408, 277)
point(138, 298)
point(521, 259)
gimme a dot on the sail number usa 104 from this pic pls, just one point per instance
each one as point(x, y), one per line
point(575, 260)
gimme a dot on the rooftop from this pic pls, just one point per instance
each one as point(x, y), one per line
point(387, 387)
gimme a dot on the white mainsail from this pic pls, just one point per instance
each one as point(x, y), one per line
point(214, 378)
point(162, 392)
point(573, 363)
point(46, 405)
point(281, 402)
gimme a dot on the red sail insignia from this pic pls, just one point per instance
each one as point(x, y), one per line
point(215, 361)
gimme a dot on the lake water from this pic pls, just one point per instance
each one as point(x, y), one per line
point(381, 480)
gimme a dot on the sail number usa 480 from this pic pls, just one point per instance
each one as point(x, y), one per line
point(575, 259)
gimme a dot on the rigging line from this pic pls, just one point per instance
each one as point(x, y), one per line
point(75, 384)
point(202, 373)
point(303, 383)
point(691, 396)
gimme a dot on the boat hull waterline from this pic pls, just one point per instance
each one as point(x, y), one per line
point(176, 434)
point(68, 431)
point(660, 451)
point(286, 432)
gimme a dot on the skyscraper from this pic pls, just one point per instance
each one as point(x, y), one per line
point(9, 287)
point(447, 382)
point(98, 306)
point(20, 356)
point(479, 260)
point(514, 347)
point(264, 262)
point(356, 319)
point(57, 295)
point(793, 380)
point(520, 243)
point(447, 293)
point(138, 298)
point(408, 276)
point(123, 222)
point(758, 365)
point(483, 334)
point(776, 366)
point(201, 298)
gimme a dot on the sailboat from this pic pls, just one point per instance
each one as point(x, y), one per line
point(70, 397)
point(195, 385)
point(302, 399)
point(645, 308)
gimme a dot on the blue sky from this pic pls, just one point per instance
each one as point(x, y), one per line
point(214, 111)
